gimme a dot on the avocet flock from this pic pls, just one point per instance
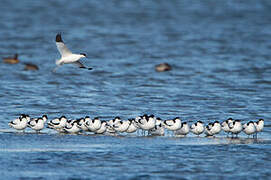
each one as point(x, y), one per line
point(149, 124)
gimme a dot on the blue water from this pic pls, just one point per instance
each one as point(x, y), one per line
point(221, 67)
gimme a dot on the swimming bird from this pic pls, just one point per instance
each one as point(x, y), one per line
point(30, 67)
point(249, 128)
point(67, 57)
point(19, 123)
point(162, 67)
point(11, 60)
point(197, 128)
point(259, 125)
point(184, 130)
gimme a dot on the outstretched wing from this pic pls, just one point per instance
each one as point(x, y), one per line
point(80, 65)
point(63, 50)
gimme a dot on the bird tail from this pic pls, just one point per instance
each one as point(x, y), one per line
point(58, 62)
point(10, 124)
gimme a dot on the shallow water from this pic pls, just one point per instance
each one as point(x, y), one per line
point(220, 53)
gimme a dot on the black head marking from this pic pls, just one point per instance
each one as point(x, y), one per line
point(58, 38)
point(83, 54)
point(152, 116)
point(145, 115)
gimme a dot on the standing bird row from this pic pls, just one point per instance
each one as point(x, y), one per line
point(24, 121)
point(147, 123)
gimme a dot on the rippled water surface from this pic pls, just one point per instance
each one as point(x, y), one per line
point(221, 67)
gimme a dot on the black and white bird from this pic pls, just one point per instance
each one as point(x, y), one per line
point(121, 126)
point(72, 127)
point(114, 121)
point(197, 128)
point(235, 127)
point(173, 125)
point(81, 124)
point(67, 57)
point(93, 124)
point(102, 129)
point(216, 128)
point(249, 128)
point(146, 123)
point(36, 124)
point(208, 129)
point(259, 125)
point(132, 126)
point(19, 123)
point(158, 130)
point(58, 124)
point(184, 130)
point(225, 125)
